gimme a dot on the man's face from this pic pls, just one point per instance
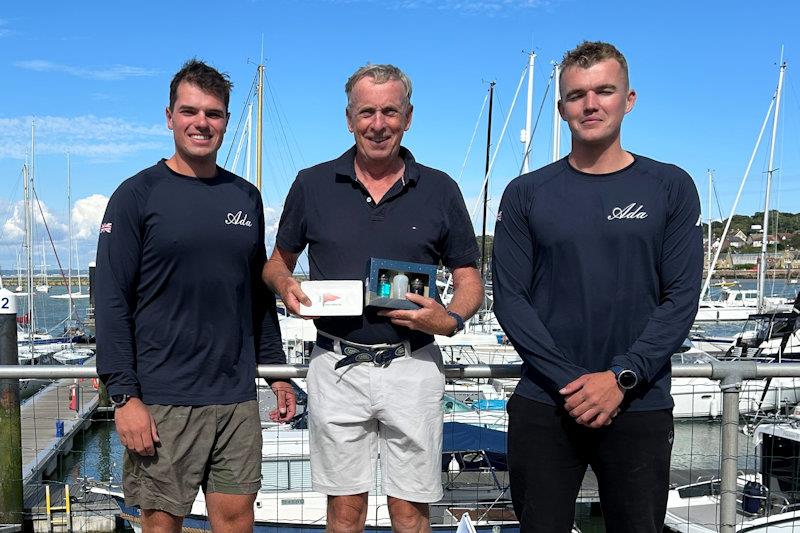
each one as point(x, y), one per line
point(378, 116)
point(198, 121)
point(594, 101)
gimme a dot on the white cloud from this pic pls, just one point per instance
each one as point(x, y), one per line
point(86, 216)
point(14, 225)
point(271, 219)
point(109, 73)
point(87, 135)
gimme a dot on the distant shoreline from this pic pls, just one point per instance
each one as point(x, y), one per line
point(731, 275)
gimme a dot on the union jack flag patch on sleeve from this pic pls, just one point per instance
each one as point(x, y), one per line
point(105, 227)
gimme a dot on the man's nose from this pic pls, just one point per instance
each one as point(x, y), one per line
point(590, 101)
point(378, 121)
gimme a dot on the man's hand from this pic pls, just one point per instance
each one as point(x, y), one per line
point(277, 274)
point(287, 402)
point(432, 318)
point(136, 427)
point(593, 400)
point(292, 295)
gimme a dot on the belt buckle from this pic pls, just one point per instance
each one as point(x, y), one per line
point(392, 350)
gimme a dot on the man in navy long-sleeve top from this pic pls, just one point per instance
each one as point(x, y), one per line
point(596, 271)
point(183, 319)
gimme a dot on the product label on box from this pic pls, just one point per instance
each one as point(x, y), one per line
point(333, 298)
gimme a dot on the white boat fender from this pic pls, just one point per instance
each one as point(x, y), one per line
point(465, 524)
point(453, 466)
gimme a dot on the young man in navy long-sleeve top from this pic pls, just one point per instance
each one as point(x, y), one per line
point(183, 319)
point(596, 272)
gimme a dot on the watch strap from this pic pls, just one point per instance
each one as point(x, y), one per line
point(459, 322)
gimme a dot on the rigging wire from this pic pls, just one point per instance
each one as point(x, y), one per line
point(503, 113)
point(241, 119)
point(53, 246)
point(11, 205)
point(538, 116)
point(472, 140)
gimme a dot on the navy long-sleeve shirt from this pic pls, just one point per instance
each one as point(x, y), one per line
point(182, 315)
point(591, 271)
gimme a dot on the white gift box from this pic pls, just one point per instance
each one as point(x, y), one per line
point(333, 298)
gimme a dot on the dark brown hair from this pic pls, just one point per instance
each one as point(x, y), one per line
point(203, 76)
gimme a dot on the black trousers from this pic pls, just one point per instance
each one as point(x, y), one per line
point(547, 458)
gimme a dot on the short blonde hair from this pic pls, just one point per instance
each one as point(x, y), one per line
point(589, 53)
point(379, 74)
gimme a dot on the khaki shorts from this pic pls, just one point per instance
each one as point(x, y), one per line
point(216, 447)
point(359, 410)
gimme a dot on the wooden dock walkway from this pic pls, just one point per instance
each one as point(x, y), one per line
point(40, 414)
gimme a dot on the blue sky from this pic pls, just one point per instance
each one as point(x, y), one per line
point(95, 75)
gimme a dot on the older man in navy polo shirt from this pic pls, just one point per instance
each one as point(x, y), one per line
point(375, 200)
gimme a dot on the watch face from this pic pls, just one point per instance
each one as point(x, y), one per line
point(119, 399)
point(627, 379)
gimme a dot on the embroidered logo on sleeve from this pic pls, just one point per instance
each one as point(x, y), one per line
point(499, 216)
point(105, 227)
point(629, 212)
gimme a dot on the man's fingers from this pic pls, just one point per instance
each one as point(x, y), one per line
point(153, 430)
point(579, 411)
point(587, 417)
point(291, 406)
point(420, 300)
point(600, 420)
point(281, 398)
point(298, 293)
point(405, 323)
point(398, 313)
point(573, 386)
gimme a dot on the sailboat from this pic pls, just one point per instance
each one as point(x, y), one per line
point(69, 295)
point(32, 344)
point(736, 304)
point(70, 355)
point(44, 287)
point(18, 289)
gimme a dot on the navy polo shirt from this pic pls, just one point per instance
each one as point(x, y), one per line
point(421, 219)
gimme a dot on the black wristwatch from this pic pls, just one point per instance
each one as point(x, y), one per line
point(118, 400)
point(626, 378)
point(459, 322)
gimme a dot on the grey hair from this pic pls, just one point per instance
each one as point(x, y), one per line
point(379, 74)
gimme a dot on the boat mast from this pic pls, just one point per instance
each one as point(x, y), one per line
point(19, 266)
point(486, 183)
point(762, 271)
point(527, 133)
point(556, 114)
point(26, 178)
point(29, 179)
point(708, 219)
point(249, 126)
point(69, 241)
point(260, 121)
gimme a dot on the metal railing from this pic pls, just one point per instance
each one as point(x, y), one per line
point(730, 375)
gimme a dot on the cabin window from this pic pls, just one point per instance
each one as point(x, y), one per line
point(780, 464)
